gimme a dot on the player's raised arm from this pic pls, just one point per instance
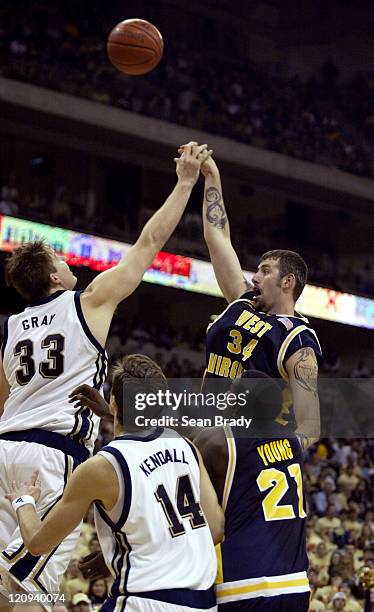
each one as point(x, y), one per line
point(302, 369)
point(225, 261)
point(93, 480)
point(112, 286)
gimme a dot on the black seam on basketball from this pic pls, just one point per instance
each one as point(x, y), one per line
point(152, 36)
point(119, 44)
point(143, 29)
point(156, 38)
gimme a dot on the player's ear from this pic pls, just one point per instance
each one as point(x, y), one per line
point(113, 408)
point(54, 278)
point(288, 281)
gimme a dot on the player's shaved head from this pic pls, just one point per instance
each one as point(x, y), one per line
point(289, 262)
point(28, 269)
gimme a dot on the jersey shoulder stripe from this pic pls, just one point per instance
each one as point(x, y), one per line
point(86, 329)
point(127, 488)
point(286, 343)
point(123, 568)
point(283, 348)
point(231, 466)
point(193, 449)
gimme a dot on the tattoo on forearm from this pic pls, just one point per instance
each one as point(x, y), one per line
point(215, 212)
point(306, 370)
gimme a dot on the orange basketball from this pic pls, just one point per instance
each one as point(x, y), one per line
point(135, 46)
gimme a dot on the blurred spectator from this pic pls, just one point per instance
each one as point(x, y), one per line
point(80, 603)
point(360, 371)
point(338, 601)
point(348, 480)
point(330, 520)
point(98, 592)
point(94, 545)
point(331, 363)
point(9, 201)
point(321, 499)
point(73, 581)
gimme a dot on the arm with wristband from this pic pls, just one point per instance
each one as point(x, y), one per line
point(94, 480)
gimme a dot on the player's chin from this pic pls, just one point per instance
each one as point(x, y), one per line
point(259, 303)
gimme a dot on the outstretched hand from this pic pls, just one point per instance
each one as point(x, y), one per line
point(31, 487)
point(192, 156)
point(85, 396)
point(208, 166)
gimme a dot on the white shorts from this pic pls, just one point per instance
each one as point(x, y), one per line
point(18, 460)
point(141, 604)
point(138, 604)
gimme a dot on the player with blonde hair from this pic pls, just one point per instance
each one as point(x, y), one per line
point(55, 344)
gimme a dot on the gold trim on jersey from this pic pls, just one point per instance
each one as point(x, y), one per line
point(10, 562)
point(219, 576)
point(266, 586)
point(125, 552)
point(286, 343)
point(284, 346)
point(231, 465)
point(120, 602)
point(230, 471)
point(203, 379)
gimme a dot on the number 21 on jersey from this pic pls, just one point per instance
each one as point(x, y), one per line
point(278, 483)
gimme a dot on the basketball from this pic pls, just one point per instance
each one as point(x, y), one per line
point(135, 46)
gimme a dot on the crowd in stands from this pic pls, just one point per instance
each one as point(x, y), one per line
point(340, 531)
point(65, 50)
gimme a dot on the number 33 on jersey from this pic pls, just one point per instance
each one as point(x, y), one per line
point(46, 348)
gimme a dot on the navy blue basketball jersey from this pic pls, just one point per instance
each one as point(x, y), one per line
point(242, 338)
point(264, 550)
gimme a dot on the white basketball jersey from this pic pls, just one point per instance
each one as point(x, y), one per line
point(47, 351)
point(156, 537)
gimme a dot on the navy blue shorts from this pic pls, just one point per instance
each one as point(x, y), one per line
point(297, 602)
